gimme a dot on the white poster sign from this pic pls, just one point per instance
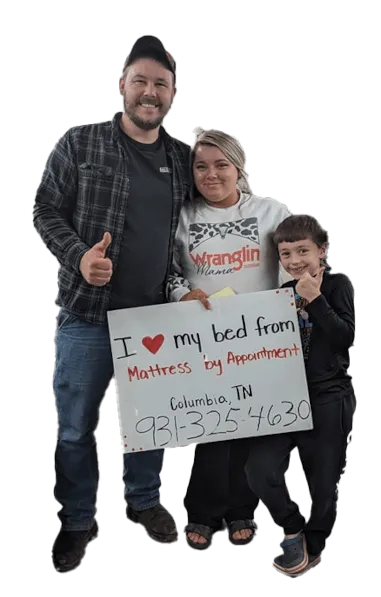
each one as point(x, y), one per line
point(185, 374)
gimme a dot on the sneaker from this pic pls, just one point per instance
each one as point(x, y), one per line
point(295, 557)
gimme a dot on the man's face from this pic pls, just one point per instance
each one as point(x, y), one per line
point(148, 92)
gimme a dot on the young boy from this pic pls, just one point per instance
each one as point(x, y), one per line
point(325, 304)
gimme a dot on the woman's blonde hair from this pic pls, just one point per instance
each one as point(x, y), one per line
point(230, 147)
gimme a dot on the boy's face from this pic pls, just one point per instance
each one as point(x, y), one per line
point(300, 257)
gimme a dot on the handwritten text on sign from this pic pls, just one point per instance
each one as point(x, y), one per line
point(185, 374)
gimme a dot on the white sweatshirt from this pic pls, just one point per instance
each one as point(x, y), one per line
point(217, 247)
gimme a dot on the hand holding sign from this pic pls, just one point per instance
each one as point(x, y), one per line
point(94, 266)
point(197, 295)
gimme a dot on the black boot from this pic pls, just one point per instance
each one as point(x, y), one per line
point(69, 548)
point(157, 521)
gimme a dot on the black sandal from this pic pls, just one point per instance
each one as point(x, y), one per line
point(241, 525)
point(200, 529)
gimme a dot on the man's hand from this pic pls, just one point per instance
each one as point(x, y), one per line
point(197, 295)
point(308, 286)
point(94, 266)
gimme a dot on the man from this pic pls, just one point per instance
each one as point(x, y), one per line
point(107, 208)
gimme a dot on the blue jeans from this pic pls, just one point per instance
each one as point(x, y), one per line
point(82, 374)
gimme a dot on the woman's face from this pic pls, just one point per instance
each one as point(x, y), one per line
point(215, 176)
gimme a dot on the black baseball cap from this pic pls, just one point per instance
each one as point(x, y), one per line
point(151, 47)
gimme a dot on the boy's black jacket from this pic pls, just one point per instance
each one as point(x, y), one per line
point(332, 316)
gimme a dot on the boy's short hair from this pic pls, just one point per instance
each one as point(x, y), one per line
point(300, 227)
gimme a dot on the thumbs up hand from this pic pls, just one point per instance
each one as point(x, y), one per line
point(308, 287)
point(95, 267)
point(103, 245)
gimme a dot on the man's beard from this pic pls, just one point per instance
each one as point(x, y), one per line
point(145, 125)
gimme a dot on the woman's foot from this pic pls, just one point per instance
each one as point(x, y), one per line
point(242, 535)
point(199, 536)
point(241, 532)
point(196, 538)
point(237, 536)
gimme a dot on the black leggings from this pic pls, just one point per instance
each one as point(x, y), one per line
point(218, 488)
point(323, 456)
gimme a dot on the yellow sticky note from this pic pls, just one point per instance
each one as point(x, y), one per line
point(224, 292)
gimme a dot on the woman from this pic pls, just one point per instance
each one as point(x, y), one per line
point(223, 240)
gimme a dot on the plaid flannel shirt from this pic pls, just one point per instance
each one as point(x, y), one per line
point(83, 194)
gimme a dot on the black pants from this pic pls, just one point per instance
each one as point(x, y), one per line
point(218, 488)
point(323, 456)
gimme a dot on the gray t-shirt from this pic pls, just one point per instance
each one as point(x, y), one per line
point(138, 279)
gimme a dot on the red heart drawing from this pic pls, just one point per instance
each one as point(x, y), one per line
point(153, 344)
